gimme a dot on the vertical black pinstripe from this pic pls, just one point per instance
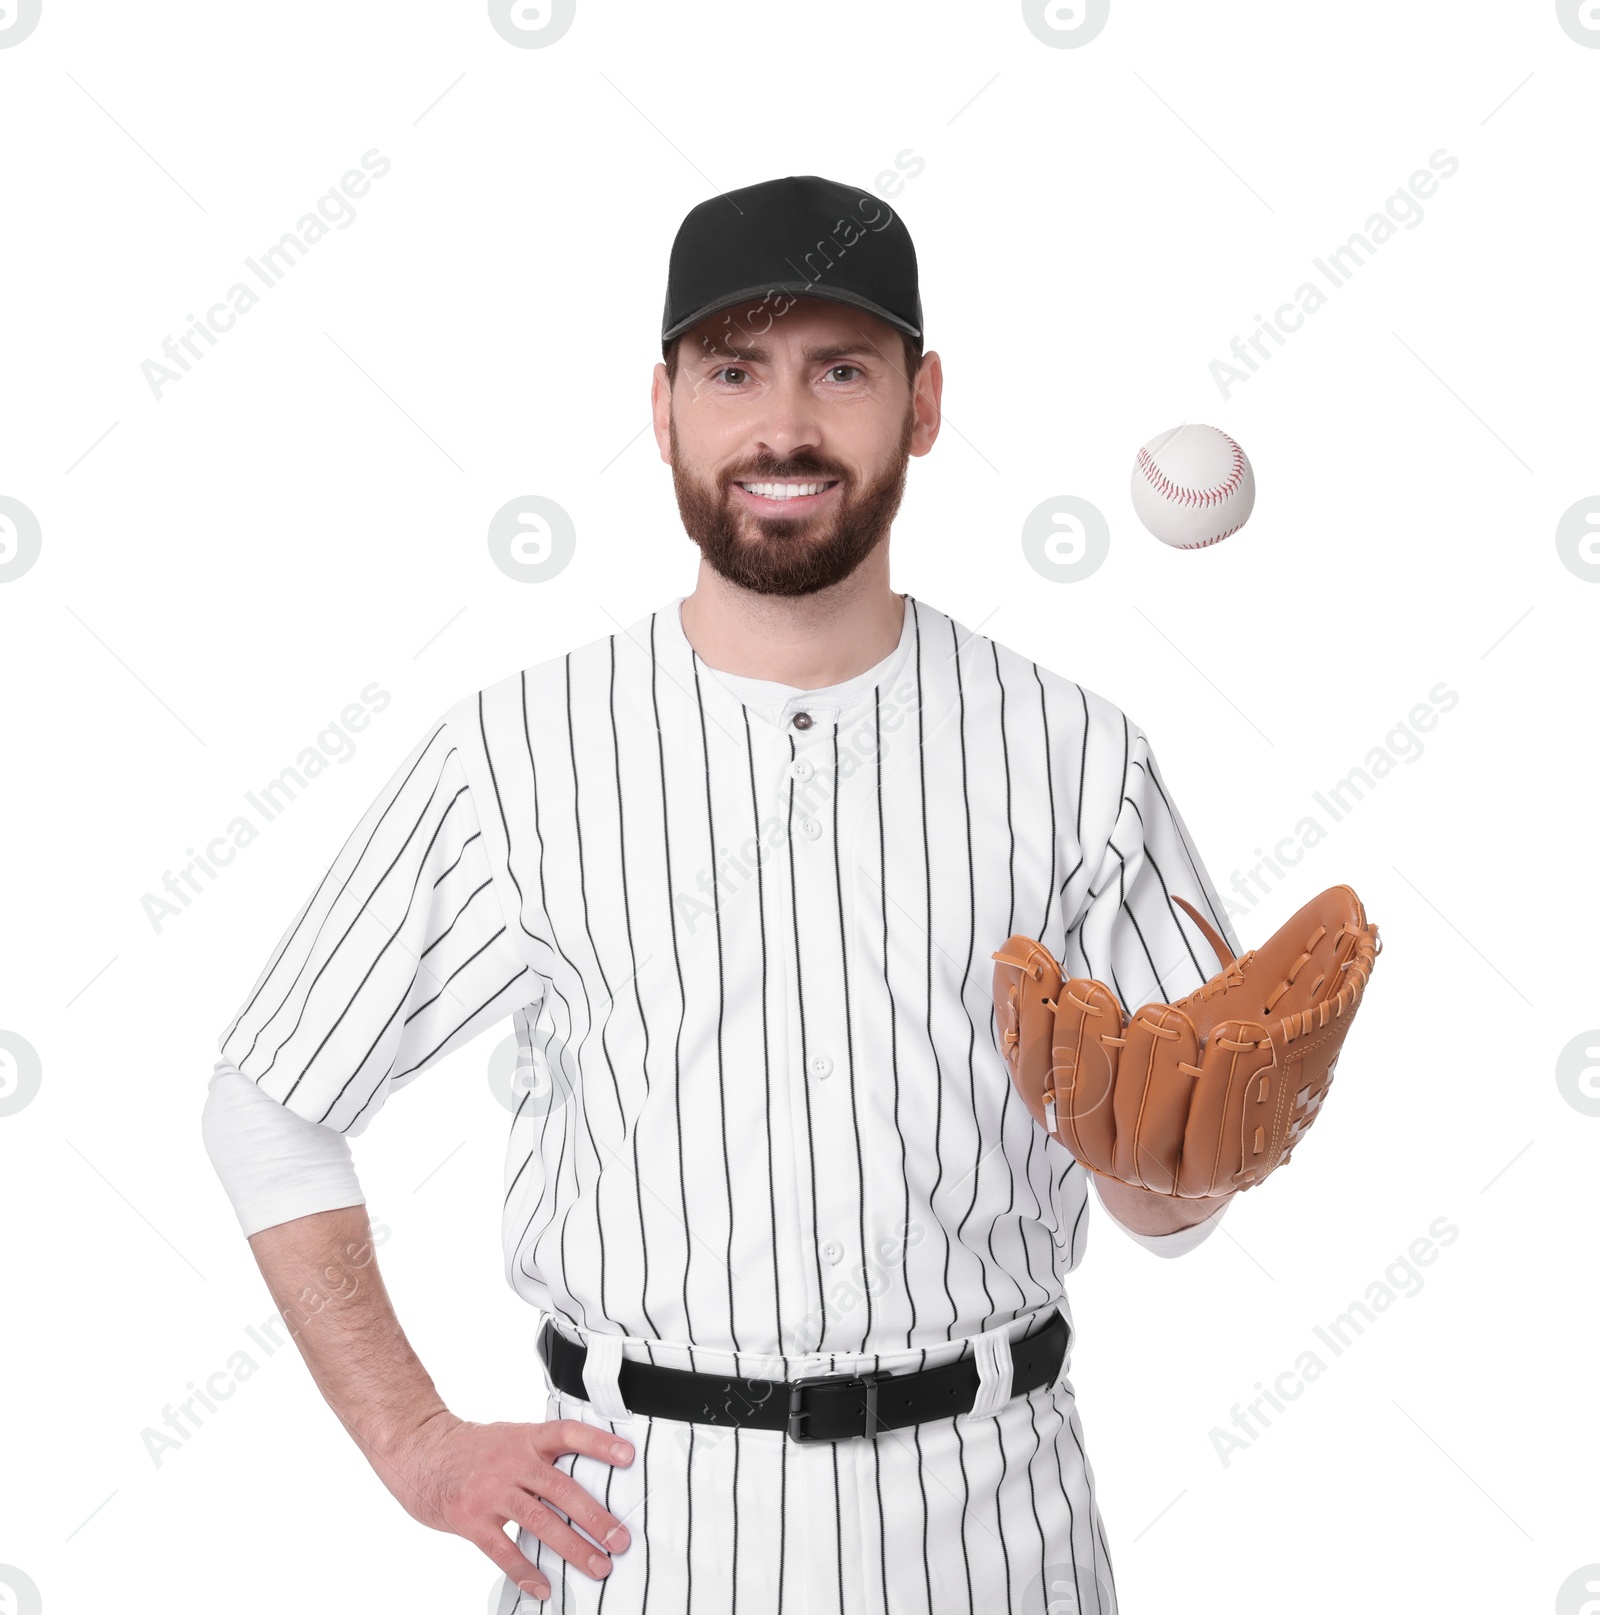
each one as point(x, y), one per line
point(631, 1131)
point(606, 996)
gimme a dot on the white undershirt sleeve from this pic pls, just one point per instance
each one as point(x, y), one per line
point(274, 1164)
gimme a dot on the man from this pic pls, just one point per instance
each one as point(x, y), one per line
point(736, 875)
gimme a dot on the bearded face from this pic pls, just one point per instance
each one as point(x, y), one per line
point(737, 515)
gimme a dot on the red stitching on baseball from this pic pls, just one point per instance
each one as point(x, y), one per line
point(1200, 543)
point(1168, 489)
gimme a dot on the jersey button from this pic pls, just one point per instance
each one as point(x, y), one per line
point(810, 828)
point(800, 769)
point(821, 1065)
point(832, 1251)
point(801, 720)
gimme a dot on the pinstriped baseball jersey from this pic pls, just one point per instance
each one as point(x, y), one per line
point(743, 933)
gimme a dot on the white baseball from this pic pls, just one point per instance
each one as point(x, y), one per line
point(1192, 486)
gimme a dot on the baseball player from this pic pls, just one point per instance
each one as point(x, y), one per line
point(735, 875)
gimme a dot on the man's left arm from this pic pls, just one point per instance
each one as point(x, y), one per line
point(1133, 937)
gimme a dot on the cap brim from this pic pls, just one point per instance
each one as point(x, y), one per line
point(797, 288)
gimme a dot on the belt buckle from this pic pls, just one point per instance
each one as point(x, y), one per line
point(799, 1412)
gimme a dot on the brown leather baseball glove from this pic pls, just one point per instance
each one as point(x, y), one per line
point(1199, 1097)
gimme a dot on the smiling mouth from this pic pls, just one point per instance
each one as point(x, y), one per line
point(793, 495)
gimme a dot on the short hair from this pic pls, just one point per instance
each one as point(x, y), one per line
point(911, 347)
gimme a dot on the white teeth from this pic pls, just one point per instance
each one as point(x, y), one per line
point(783, 490)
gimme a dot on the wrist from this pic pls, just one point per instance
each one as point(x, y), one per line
point(1146, 1212)
point(396, 1434)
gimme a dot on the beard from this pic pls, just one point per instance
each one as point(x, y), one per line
point(780, 555)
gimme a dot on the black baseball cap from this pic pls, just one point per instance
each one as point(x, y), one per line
point(800, 236)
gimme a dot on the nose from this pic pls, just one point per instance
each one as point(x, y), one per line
point(789, 423)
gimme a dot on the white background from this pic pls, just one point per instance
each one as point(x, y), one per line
point(225, 568)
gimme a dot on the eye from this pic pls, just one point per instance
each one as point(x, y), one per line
point(844, 372)
point(731, 374)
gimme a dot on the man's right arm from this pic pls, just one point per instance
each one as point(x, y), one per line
point(371, 985)
point(448, 1473)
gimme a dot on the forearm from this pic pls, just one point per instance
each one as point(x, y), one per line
point(323, 1273)
point(1146, 1212)
point(449, 1473)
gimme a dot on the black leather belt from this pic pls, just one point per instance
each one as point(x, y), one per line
point(822, 1407)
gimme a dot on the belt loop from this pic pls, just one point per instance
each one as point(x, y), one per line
point(992, 1351)
point(600, 1367)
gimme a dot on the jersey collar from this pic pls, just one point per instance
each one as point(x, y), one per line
point(777, 703)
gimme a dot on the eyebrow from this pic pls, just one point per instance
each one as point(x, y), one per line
point(815, 355)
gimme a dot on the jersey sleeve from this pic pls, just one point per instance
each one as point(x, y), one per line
point(401, 954)
point(1131, 935)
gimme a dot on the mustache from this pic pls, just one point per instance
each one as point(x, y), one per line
point(770, 468)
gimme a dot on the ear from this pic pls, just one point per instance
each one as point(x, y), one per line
point(661, 412)
point(927, 390)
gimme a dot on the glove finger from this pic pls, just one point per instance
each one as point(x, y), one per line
point(1231, 1099)
point(1026, 980)
point(1084, 1070)
point(1152, 1101)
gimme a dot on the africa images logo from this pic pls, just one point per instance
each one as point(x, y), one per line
point(1065, 539)
point(20, 1077)
point(531, 539)
point(531, 24)
point(20, 540)
point(1581, 20)
point(335, 209)
point(18, 19)
point(1577, 537)
point(19, 1592)
point(1578, 1073)
point(1065, 24)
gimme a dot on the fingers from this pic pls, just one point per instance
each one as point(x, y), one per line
point(552, 1486)
point(500, 1548)
point(501, 1476)
point(557, 1535)
point(573, 1435)
point(560, 1490)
